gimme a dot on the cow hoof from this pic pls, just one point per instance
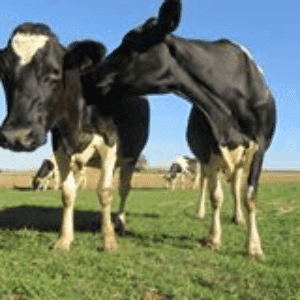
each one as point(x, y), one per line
point(209, 243)
point(109, 244)
point(255, 253)
point(108, 240)
point(119, 225)
point(199, 216)
point(238, 221)
point(63, 244)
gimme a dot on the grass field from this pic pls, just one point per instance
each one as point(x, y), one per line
point(160, 256)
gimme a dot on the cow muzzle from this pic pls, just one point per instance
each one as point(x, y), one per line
point(19, 139)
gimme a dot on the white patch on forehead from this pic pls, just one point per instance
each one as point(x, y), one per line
point(26, 45)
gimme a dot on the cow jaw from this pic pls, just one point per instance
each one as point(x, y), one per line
point(25, 46)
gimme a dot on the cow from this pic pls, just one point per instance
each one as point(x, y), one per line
point(47, 171)
point(234, 120)
point(179, 169)
point(45, 92)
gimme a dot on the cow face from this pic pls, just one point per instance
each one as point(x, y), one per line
point(40, 91)
point(31, 73)
point(142, 62)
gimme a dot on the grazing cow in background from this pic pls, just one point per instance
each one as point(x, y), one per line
point(195, 169)
point(236, 115)
point(44, 91)
point(179, 170)
point(47, 172)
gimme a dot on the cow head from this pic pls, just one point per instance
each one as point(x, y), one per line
point(141, 63)
point(41, 92)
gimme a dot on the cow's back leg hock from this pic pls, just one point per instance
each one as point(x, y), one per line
point(253, 244)
point(69, 190)
point(200, 211)
point(126, 174)
point(105, 194)
point(236, 188)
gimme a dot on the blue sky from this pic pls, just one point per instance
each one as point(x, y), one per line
point(270, 30)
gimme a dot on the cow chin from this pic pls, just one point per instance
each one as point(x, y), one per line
point(22, 140)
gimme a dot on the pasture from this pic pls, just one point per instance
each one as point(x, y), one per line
point(159, 257)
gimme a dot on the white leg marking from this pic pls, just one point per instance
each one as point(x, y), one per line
point(69, 190)
point(198, 175)
point(216, 198)
point(105, 193)
point(254, 246)
point(200, 212)
point(236, 186)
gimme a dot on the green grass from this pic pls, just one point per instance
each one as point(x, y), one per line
point(159, 258)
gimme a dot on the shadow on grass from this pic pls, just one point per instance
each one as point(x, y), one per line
point(153, 189)
point(23, 189)
point(48, 218)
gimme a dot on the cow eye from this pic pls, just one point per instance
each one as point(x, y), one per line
point(55, 75)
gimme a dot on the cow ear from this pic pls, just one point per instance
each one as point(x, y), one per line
point(169, 16)
point(83, 55)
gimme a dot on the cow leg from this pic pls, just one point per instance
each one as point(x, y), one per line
point(45, 186)
point(183, 180)
point(81, 178)
point(200, 212)
point(253, 245)
point(69, 190)
point(236, 187)
point(56, 177)
point(197, 178)
point(213, 239)
point(126, 174)
point(105, 194)
point(174, 182)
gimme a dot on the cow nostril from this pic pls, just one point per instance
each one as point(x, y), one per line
point(3, 140)
point(28, 136)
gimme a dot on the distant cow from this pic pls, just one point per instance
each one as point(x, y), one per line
point(234, 115)
point(47, 172)
point(45, 92)
point(179, 169)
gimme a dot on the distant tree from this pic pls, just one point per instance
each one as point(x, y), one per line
point(142, 163)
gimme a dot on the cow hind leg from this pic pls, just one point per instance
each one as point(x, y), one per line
point(213, 239)
point(105, 195)
point(200, 211)
point(253, 244)
point(197, 177)
point(126, 174)
point(236, 187)
point(69, 190)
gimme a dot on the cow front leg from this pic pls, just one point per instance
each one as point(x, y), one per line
point(200, 211)
point(213, 239)
point(124, 188)
point(236, 187)
point(105, 195)
point(69, 190)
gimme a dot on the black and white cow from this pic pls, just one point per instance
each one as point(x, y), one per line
point(180, 169)
point(233, 120)
point(44, 91)
point(48, 171)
